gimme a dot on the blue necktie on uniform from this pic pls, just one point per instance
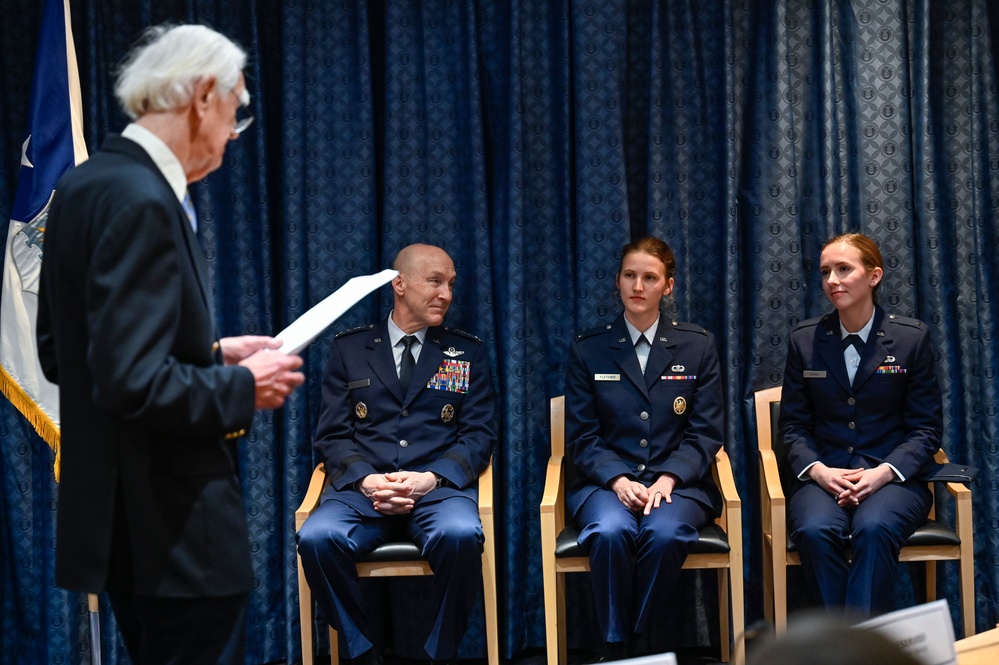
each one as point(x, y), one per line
point(192, 216)
point(854, 341)
point(408, 361)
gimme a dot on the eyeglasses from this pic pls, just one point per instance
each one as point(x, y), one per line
point(240, 125)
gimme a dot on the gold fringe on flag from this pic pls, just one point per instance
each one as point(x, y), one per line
point(46, 429)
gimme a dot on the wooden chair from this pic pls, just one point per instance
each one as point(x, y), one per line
point(719, 547)
point(932, 542)
point(401, 559)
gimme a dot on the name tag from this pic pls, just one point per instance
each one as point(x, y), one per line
point(363, 383)
point(815, 373)
point(606, 377)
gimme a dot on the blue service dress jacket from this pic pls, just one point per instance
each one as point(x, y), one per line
point(621, 422)
point(892, 413)
point(444, 423)
point(150, 500)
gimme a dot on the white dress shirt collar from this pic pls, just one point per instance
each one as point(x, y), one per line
point(162, 156)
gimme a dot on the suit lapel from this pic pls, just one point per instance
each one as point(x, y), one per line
point(830, 350)
point(194, 252)
point(431, 356)
point(875, 350)
point(198, 262)
point(624, 355)
point(382, 360)
point(659, 357)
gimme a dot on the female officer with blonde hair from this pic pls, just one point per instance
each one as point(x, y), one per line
point(860, 418)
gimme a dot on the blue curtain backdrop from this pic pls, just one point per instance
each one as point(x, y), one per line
point(531, 139)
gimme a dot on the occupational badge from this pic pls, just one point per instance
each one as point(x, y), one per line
point(890, 359)
point(679, 406)
point(361, 410)
point(452, 353)
point(677, 368)
point(447, 413)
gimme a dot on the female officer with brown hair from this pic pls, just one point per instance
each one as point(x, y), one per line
point(643, 423)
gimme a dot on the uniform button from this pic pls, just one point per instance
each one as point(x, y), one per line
point(852, 425)
point(405, 412)
point(849, 449)
point(644, 415)
point(641, 467)
point(644, 443)
point(851, 402)
point(404, 443)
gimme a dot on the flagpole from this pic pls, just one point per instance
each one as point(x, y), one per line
point(93, 605)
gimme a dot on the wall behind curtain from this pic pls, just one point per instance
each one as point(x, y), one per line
point(531, 139)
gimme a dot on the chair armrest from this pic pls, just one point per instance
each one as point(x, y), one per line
point(726, 481)
point(959, 491)
point(316, 486)
point(553, 499)
point(771, 478)
point(486, 490)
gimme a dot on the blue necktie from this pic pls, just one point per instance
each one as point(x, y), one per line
point(854, 341)
point(192, 216)
point(408, 361)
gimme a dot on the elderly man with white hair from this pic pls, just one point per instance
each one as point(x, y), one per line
point(152, 399)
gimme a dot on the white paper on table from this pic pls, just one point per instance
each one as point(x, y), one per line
point(306, 327)
point(925, 632)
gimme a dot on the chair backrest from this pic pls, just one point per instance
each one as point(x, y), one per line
point(556, 412)
point(768, 433)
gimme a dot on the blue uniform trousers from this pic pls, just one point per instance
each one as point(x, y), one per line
point(879, 527)
point(635, 560)
point(448, 533)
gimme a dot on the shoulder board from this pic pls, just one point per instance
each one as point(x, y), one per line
point(904, 320)
point(593, 331)
point(354, 330)
point(462, 333)
point(689, 327)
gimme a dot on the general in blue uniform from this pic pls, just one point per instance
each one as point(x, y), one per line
point(439, 428)
point(891, 414)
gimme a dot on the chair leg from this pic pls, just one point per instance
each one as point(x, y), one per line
point(334, 648)
point(550, 588)
point(967, 566)
point(305, 616)
point(931, 581)
point(723, 608)
point(768, 585)
point(737, 594)
point(489, 601)
point(779, 572)
point(562, 639)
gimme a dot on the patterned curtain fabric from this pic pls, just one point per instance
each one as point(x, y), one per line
point(532, 139)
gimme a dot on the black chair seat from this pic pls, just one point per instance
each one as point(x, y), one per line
point(932, 533)
point(711, 539)
point(397, 551)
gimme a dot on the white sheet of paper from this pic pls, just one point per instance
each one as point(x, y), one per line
point(306, 327)
point(925, 632)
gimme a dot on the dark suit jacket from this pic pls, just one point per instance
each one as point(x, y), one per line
point(621, 422)
point(149, 500)
point(444, 423)
point(892, 412)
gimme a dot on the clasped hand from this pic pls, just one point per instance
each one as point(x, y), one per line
point(274, 374)
point(636, 496)
point(850, 486)
point(396, 493)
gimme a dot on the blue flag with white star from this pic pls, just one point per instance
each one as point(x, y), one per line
point(53, 144)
